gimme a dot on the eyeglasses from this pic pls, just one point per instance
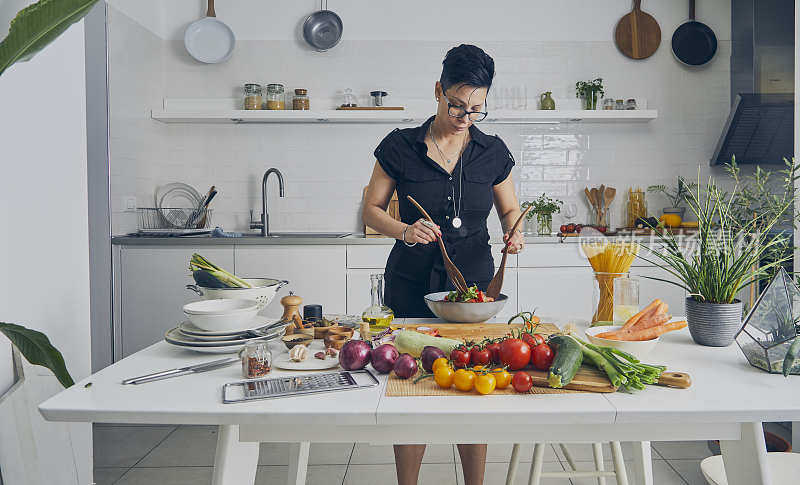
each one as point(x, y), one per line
point(459, 112)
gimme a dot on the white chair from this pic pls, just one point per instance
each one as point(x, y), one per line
point(784, 468)
point(619, 472)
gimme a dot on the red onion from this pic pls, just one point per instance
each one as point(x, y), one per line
point(355, 355)
point(430, 354)
point(405, 366)
point(383, 358)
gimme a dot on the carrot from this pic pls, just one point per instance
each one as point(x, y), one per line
point(655, 321)
point(648, 333)
point(649, 308)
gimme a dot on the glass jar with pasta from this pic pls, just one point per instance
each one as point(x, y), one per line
point(609, 260)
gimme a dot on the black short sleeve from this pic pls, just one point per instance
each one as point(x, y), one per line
point(505, 161)
point(389, 156)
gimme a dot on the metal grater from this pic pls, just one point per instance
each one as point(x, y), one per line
point(287, 386)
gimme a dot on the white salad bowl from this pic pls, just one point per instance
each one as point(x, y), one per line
point(263, 291)
point(458, 312)
point(222, 314)
point(638, 348)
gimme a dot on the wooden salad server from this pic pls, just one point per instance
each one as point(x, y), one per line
point(452, 271)
point(493, 290)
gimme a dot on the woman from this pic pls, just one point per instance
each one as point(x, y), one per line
point(456, 173)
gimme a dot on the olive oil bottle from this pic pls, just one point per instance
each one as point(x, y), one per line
point(377, 315)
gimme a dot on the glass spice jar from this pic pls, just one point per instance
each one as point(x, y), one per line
point(630, 103)
point(608, 103)
point(253, 96)
point(620, 104)
point(300, 101)
point(275, 97)
point(256, 360)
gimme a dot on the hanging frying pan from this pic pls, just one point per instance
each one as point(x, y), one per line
point(209, 40)
point(323, 28)
point(694, 43)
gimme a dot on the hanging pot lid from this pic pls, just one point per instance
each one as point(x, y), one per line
point(322, 30)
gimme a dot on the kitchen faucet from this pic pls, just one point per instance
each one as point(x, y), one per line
point(264, 212)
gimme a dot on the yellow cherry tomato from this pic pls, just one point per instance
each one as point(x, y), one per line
point(464, 380)
point(441, 361)
point(503, 378)
point(443, 375)
point(485, 383)
point(478, 367)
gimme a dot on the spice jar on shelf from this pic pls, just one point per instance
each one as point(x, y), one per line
point(608, 103)
point(256, 360)
point(275, 97)
point(620, 104)
point(253, 96)
point(300, 100)
point(630, 103)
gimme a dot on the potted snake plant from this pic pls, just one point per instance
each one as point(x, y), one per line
point(723, 258)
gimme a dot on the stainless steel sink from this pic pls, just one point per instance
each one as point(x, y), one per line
point(326, 235)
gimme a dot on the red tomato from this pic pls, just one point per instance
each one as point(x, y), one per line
point(515, 353)
point(522, 382)
point(542, 356)
point(479, 356)
point(460, 357)
point(532, 339)
point(494, 352)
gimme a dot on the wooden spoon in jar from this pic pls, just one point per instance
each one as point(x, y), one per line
point(493, 290)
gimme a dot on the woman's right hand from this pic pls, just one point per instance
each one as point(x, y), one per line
point(419, 232)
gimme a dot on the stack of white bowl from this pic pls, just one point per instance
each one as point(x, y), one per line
point(222, 326)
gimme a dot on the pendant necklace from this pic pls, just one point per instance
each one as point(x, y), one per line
point(456, 222)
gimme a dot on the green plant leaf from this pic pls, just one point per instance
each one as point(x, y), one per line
point(37, 25)
point(37, 349)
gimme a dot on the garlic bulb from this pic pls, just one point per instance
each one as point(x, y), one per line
point(298, 353)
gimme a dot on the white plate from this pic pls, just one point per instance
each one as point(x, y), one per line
point(209, 40)
point(230, 349)
point(219, 306)
point(176, 337)
point(257, 322)
point(187, 329)
point(283, 361)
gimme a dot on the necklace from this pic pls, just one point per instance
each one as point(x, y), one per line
point(456, 222)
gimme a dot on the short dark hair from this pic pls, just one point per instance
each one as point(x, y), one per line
point(468, 65)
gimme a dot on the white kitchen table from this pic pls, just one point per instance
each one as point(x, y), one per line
point(727, 401)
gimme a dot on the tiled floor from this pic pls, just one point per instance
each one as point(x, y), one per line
point(178, 455)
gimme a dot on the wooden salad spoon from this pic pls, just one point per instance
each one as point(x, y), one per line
point(452, 271)
point(493, 290)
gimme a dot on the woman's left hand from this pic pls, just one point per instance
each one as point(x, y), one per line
point(515, 242)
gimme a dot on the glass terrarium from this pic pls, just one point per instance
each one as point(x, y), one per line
point(772, 325)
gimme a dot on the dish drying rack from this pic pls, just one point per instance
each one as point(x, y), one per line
point(173, 219)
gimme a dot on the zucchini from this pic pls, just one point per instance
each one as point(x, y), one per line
point(568, 359)
point(411, 342)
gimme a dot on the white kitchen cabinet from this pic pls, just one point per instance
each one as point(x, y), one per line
point(315, 273)
point(368, 256)
point(557, 294)
point(152, 290)
point(649, 289)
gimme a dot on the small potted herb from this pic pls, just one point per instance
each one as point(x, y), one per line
point(588, 91)
point(673, 215)
point(543, 208)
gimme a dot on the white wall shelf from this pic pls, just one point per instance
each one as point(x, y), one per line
point(218, 111)
point(334, 116)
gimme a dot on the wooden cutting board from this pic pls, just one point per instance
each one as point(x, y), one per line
point(587, 379)
point(637, 35)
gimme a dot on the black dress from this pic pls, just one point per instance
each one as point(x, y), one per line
point(413, 272)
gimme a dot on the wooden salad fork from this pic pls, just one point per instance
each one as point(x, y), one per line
point(452, 271)
point(493, 290)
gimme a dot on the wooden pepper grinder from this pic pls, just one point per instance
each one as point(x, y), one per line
point(291, 303)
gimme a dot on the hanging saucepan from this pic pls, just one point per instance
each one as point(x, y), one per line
point(209, 40)
point(323, 28)
point(694, 43)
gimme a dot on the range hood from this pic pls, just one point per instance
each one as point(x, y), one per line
point(760, 127)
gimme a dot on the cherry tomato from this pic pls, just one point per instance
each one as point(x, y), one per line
point(441, 361)
point(522, 382)
point(542, 356)
point(485, 383)
point(464, 380)
point(460, 357)
point(532, 339)
point(479, 356)
point(502, 377)
point(444, 375)
point(563, 229)
point(515, 353)
point(494, 352)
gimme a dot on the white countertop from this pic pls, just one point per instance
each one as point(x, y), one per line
point(725, 389)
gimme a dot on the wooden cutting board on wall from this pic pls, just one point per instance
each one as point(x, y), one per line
point(637, 35)
point(393, 210)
